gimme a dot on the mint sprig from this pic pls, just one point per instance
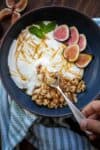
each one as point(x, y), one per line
point(42, 29)
point(36, 31)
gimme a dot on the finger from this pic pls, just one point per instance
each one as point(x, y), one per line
point(94, 116)
point(90, 125)
point(92, 108)
point(92, 137)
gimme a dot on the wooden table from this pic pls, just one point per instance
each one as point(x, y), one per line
point(88, 7)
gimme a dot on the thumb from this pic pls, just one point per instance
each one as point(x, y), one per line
point(91, 125)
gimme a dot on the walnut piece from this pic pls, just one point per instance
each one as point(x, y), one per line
point(51, 97)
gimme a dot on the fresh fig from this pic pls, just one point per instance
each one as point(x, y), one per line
point(82, 42)
point(71, 53)
point(21, 5)
point(74, 36)
point(83, 60)
point(61, 33)
point(15, 17)
point(10, 3)
point(5, 13)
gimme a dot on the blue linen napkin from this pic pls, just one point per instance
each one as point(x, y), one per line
point(15, 122)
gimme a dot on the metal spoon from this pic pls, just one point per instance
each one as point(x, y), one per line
point(76, 112)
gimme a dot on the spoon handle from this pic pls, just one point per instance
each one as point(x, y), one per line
point(76, 112)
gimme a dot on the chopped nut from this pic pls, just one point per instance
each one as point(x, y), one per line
point(55, 101)
point(48, 96)
point(73, 89)
point(81, 86)
point(45, 102)
point(75, 81)
point(40, 96)
point(39, 68)
point(69, 95)
point(39, 102)
point(52, 92)
point(43, 93)
point(61, 99)
point(34, 97)
point(75, 97)
point(37, 90)
point(51, 97)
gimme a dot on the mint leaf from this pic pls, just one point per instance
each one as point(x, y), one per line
point(42, 25)
point(42, 29)
point(49, 27)
point(36, 31)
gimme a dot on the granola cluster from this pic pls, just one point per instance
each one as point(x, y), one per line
point(50, 97)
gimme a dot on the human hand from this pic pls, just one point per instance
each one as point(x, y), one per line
point(92, 123)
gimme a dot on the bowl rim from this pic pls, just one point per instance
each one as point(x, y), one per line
point(7, 32)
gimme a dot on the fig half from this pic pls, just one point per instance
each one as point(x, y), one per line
point(82, 42)
point(61, 33)
point(5, 13)
point(21, 5)
point(15, 17)
point(10, 3)
point(71, 53)
point(74, 36)
point(83, 60)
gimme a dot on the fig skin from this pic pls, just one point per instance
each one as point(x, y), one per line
point(21, 5)
point(10, 3)
point(66, 28)
point(74, 37)
point(83, 60)
point(82, 42)
point(15, 17)
point(71, 50)
point(5, 13)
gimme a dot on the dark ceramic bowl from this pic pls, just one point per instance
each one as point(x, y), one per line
point(63, 16)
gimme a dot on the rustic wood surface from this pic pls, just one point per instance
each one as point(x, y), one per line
point(88, 7)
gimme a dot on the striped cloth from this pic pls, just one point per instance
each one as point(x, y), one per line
point(60, 138)
point(15, 123)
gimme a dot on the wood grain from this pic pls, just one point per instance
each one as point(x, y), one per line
point(88, 7)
